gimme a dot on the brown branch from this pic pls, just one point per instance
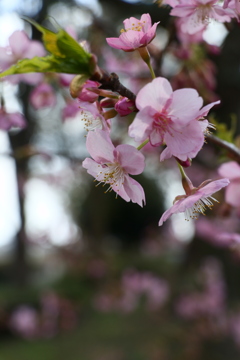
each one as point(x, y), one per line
point(232, 151)
point(112, 82)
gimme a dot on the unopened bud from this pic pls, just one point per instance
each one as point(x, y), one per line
point(77, 85)
point(185, 163)
point(108, 103)
point(124, 106)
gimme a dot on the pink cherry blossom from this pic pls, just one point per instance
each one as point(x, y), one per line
point(214, 231)
point(170, 117)
point(112, 165)
point(43, 96)
point(93, 116)
point(70, 110)
point(9, 120)
point(198, 200)
point(21, 47)
point(231, 169)
point(197, 13)
point(137, 34)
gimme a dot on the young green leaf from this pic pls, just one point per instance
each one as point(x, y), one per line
point(67, 56)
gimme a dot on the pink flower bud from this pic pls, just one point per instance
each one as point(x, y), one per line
point(185, 163)
point(124, 106)
point(43, 96)
point(108, 103)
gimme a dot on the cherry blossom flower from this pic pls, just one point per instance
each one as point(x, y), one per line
point(9, 120)
point(232, 171)
point(93, 116)
point(197, 14)
point(43, 96)
point(112, 165)
point(196, 201)
point(170, 117)
point(137, 34)
point(20, 47)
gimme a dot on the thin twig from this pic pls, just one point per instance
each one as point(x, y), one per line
point(232, 151)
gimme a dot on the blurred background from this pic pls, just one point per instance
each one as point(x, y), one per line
point(83, 275)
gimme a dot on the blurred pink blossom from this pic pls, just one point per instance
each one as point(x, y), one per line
point(232, 4)
point(197, 13)
point(232, 194)
point(43, 96)
point(214, 231)
point(24, 321)
point(211, 300)
point(21, 47)
point(70, 110)
point(9, 120)
point(197, 201)
point(137, 34)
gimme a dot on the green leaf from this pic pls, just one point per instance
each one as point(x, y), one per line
point(67, 56)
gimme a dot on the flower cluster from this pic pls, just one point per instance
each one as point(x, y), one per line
point(170, 121)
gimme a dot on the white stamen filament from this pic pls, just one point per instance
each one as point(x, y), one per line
point(199, 208)
point(91, 123)
point(112, 174)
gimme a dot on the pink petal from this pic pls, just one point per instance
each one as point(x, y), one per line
point(204, 111)
point(134, 190)
point(19, 43)
point(35, 48)
point(230, 169)
point(154, 94)
point(182, 10)
point(232, 195)
point(100, 147)
point(93, 168)
point(129, 23)
point(192, 24)
point(130, 159)
point(185, 105)
point(9, 120)
point(156, 137)
point(165, 154)
point(150, 35)
point(146, 21)
point(223, 15)
point(132, 39)
point(141, 127)
point(213, 187)
point(185, 143)
point(117, 44)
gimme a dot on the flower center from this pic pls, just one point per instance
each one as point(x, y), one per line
point(162, 123)
point(91, 123)
point(199, 207)
point(112, 174)
point(203, 12)
point(135, 27)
